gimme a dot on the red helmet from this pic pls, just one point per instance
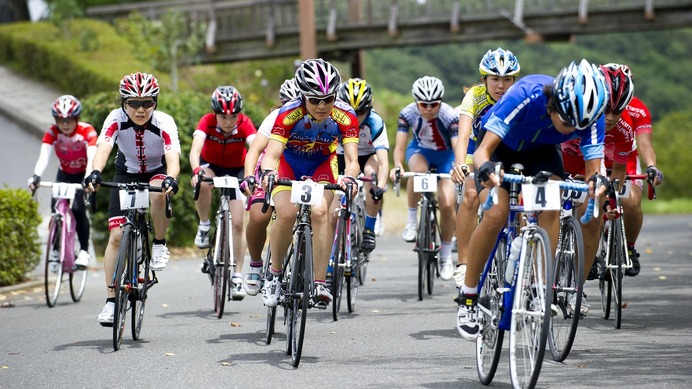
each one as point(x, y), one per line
point(226, 100)
point(620, 87)
point(66, 107)
point(139, 85)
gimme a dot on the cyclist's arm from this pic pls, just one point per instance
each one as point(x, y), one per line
point(103, 151)
point(91, 152)
point(352, 167)
point(172, 164)
point(383, 161)
point(485, 150)
point(399, 151)
point(256, 147)
point(196, 150)
point(462, 144)
point(645, 148)
point(43, 158)
point(272, 153)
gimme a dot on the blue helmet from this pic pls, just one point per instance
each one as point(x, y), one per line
point(580, 94)
point(499, 62)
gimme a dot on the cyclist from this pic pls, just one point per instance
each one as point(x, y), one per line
point(499, 69)
point(74, 143)
point(148, 151)
point(618, 144)
point(218, 149)
point(633, 215)
point(434, 125)
point(373, 151)
point(256, 231)
point(303, 143)
point(525, 126)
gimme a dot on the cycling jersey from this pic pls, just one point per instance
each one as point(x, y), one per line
point(641, 118)
point(434, 134)
point(140, 149)
point(268, 123)
point(372, 136)
point(618, 145)
point(227, 151)
point(306, 138)
point(71, 150)
point(475, 104)
point(520, 118)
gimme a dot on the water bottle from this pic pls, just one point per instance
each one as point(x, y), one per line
point(513, 256)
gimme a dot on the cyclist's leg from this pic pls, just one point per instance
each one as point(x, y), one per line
point(416, 163)
point(203, 203)
point(372, 207)
point(279, 238)
point(158, 209)
point(467, 220)
point(256, 231)
point(633, 218)
point(592, 233)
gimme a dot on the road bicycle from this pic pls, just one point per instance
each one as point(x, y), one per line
point(613, 258)
point(428, 241)
point(347, 262)
point(297, 279)
point(519, 299)
point(60, 248)
point(132, 276)
point(219, 259)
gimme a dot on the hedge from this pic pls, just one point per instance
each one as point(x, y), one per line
point(19, 221)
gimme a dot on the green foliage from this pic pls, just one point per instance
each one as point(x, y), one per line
point(63, 12)
point(670, 135)
point(19, 220)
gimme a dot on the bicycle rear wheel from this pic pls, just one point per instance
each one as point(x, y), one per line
point(530, 311)
point(78, 279)
point(53, 262)
point(604, 278)
point(271, 311)
point(339, 249)
point(221, 260)
point(138, 300)
point(422, 245)
point(619, 254)
point(567, 287)
point(122, 286)
point(300, 292)
point(353, 278)
point(489, 341)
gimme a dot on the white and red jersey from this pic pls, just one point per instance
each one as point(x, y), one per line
point(225, 150)
point(140, 149)
point(641, 118)
point(618, 145)
point(71, 150)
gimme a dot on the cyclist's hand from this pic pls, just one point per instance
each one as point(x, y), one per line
point(490, 174)
point(267, 173)
point(349, 180)
point(602, 189)
point(376, 193)
point(458, 173)
point(92, 181)
point(247, 186)
point(170, 185)
point(33, 182)
point(393, 174)
point(654, 174)
point(196, 175)
point(609, 210)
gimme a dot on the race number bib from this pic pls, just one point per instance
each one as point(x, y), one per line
point(63, 190)
point(541, 197)
point(577, 197)
point(424, 184)
point(307, 192)
point(226, 182)
point(134, 199)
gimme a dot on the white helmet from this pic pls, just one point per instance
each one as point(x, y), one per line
point(428, 89)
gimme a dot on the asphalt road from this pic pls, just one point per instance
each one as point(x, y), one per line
point(392, 340)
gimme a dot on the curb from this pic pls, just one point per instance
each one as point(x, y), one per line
point(21, 286)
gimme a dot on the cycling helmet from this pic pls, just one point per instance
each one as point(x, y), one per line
point(620, 87)
point(624, 68)
point(66, 107)
point(317, 77)
point(289, 90)
point(499, 62)
point(226, 100)
point(428, 89)
point(356, 92)
point(580, 94)
point(139, 85)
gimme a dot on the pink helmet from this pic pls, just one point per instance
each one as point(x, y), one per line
point(139, 85)
point(66, 107)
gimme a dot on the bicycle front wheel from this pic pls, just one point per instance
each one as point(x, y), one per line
point(339, 250)
point(300, 292)
point(604, 278)
point(531, 311)
point(619, 253)
point(78, 279)
point(489, 341)
point(221, 258)
point(423, 246)
point(567, 287)
point(271, 311)
point(433, 251)
point(138, 301)
point(53, 262)
point(121, 286)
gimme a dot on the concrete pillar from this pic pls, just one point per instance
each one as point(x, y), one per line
point(306, 22)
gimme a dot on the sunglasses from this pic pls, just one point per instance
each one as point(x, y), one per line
point(428, 104)
point(364, 111)
point(146, 104)
point(317, 100)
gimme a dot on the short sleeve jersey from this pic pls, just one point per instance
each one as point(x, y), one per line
point(306, 138)
point(434, 134)
point(475, 104)
point(618, 143)
point(219, 149)
point(641, 118)
point(521, 119)
point(141, 149)
point(372, 136)
point(71, 150)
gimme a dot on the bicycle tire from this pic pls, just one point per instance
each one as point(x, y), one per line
point(271, 311)
point(529, 331)
point(620, 248)
point(53, 271)
point(353, 279)
point(422, 245)
point(604, 278)
point(433, 251)
point(339, 249)
point(138, 300)
point(78, 279)
point(489, 341)
point(221, 260)
point(300, 291)
point(567, 286)
point(121, 287)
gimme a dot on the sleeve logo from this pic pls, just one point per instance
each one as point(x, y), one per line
point(341, 117)
point(293, 117)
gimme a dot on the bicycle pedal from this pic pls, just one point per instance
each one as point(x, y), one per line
point(321, 304)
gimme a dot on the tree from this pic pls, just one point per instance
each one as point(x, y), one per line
point(167, 43)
